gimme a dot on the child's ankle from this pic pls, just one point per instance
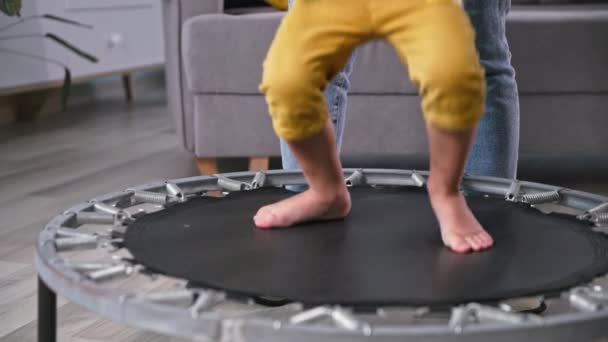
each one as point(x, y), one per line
point(441, 190)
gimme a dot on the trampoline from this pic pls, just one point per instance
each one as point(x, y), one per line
point(381, 274)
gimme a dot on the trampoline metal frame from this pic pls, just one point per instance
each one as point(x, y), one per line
point(586, 321)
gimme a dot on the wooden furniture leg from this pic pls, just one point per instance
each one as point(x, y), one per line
point(207, 166)
point(258, 163)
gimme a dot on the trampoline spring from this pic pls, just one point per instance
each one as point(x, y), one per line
point(591, 213)
point(205, 301)
point(310, 315)
point(84, 217)
point(345, 319)
point(459, 318)
point(104, 208)
point(118, 214)
point(581, 300)
point(231, 184)
point(111, 272)
point(419, 181)
point(599, 209)
point(542, 197)
point(600, 218)
point(174, 191)
point(497, 315)
point(150, 197)
point(126, 200)
point(463, 315)
point(76, 243)
point(86, 266)
point(258, 180)
point(513, 193)
point(355, 178)
point(598, 293)
point(173, 297)
point(68, 232)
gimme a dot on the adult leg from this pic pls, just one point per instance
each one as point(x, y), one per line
point(336, 98)
point(495, 150)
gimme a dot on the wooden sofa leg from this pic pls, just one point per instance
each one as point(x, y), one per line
point(258, 163)
point(207, 166)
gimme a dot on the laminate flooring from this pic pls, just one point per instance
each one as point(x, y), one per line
point(96, 147)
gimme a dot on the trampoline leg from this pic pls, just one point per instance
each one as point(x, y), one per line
point(47, 313)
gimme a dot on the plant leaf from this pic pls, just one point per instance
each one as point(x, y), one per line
point(66, 21)
point(72, 48)
point(11, 7)
point(65, 89)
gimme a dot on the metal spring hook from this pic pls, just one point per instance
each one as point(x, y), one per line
point(355, 178)
point(174, 191)
point(419, 181)
point(513, 193)
point(542, 197)
point(150, 197)
point(587, 299)
point(229, 184)
point(118, 214)
point(589, 214)
point(258, 180)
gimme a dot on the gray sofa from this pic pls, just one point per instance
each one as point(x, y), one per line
point(214, 54)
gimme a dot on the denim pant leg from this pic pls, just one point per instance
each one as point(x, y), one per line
point(495, 150)
point(336, 96)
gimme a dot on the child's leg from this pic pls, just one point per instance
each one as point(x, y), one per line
point(327, 197)
point(312, 44)
point(459, 229)
point(436, 40)
point(336, 95)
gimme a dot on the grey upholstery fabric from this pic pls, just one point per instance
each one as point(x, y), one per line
point(233, 126)
point(234, 45)
point(176, 12)
point(562, 123)
point(559, 52)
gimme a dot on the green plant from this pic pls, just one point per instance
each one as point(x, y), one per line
point(13, 8)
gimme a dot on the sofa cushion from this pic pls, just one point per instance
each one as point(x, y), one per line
point(224, 54)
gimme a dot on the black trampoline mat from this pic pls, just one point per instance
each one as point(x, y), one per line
point(387, 252)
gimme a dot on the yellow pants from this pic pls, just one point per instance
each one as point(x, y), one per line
point(434, 39)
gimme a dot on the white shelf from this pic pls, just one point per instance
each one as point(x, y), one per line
point(127, 35)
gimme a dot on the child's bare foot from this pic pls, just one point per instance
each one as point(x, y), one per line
point(460, 230)
point(307, 206)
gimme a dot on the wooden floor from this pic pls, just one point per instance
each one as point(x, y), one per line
point(49, 165)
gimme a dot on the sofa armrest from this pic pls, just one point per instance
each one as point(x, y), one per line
point(175, 13)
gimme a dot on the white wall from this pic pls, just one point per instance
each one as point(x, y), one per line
point(136, 24)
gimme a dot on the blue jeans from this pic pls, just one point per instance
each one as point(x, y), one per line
point(495, 151)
